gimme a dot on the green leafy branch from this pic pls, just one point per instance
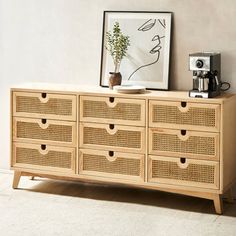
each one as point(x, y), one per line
point(117, 44)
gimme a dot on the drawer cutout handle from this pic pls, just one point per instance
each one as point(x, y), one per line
point(111, 126)
point(183, 107)
point(111, 102)
point(183, 163)
point(183, 104)
point(111, 156)
point(183, 132)
point(111, 153)
point(111, 129)
point(43, 149)
point(43, 124)
point(44, 98)
point(183, 135)
point(111, 99)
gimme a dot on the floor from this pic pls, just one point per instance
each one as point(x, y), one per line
point(51, 207)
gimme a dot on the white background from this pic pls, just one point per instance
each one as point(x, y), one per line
point(59, 41)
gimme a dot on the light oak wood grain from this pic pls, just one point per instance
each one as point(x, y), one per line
point(16, 179)
point(179, 110)
point(108, 104)
point(45, 101)
point(222, 132)
point(37, 125)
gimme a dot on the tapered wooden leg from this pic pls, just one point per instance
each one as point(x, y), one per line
point(31, 178)
point(229, 196)
point(16, 179)
point(218, 204)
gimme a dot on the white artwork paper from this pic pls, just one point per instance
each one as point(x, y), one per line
point(147, 61)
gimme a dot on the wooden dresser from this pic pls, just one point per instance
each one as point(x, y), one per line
point(159, 140)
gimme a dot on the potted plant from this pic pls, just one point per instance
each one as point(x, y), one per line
point(117, 45)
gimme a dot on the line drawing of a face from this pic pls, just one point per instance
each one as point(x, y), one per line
point(148, 25)
point(144, 60)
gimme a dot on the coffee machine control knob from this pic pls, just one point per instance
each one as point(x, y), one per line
point(199, 63)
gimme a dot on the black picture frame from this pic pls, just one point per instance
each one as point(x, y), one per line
point(156, 73)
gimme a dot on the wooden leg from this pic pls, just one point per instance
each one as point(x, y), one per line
point(16, 179)
point(218, 204)
point(31, 178)
point(229, 195)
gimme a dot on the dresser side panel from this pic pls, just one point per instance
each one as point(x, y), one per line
point(228, 144)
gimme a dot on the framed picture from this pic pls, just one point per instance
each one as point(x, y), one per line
point(147, 59)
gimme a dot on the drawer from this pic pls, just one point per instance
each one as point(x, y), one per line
point(183, 171)
point(115, 137)
point(44, 105)
point(112, 110)
point(111, 164)
point(194, 144)
point(44, 131)
point(184, 115)
point(44, 157)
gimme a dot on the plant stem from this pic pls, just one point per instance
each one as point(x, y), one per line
point(117, 67)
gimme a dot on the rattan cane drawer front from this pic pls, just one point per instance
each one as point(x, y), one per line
point(44, 105)
point(111, 164)
point(112, 110)
point(184, 115)
point(183, 171)
point(44, 131)
point(194, 144)
point(44, 157)
point(115, 137)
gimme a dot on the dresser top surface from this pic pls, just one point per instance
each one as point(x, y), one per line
point(99, 91)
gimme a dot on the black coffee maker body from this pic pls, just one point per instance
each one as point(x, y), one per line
point(206, 67)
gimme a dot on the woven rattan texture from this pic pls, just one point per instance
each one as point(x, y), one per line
point(55, 106)
point(122, 111)
point(51, 159)
point(200, 173)
point(54, 132)
point(193, 145)
point(123, 166)
point(122, 138)
point(194, 116)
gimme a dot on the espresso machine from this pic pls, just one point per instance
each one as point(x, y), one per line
point(206, 74)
